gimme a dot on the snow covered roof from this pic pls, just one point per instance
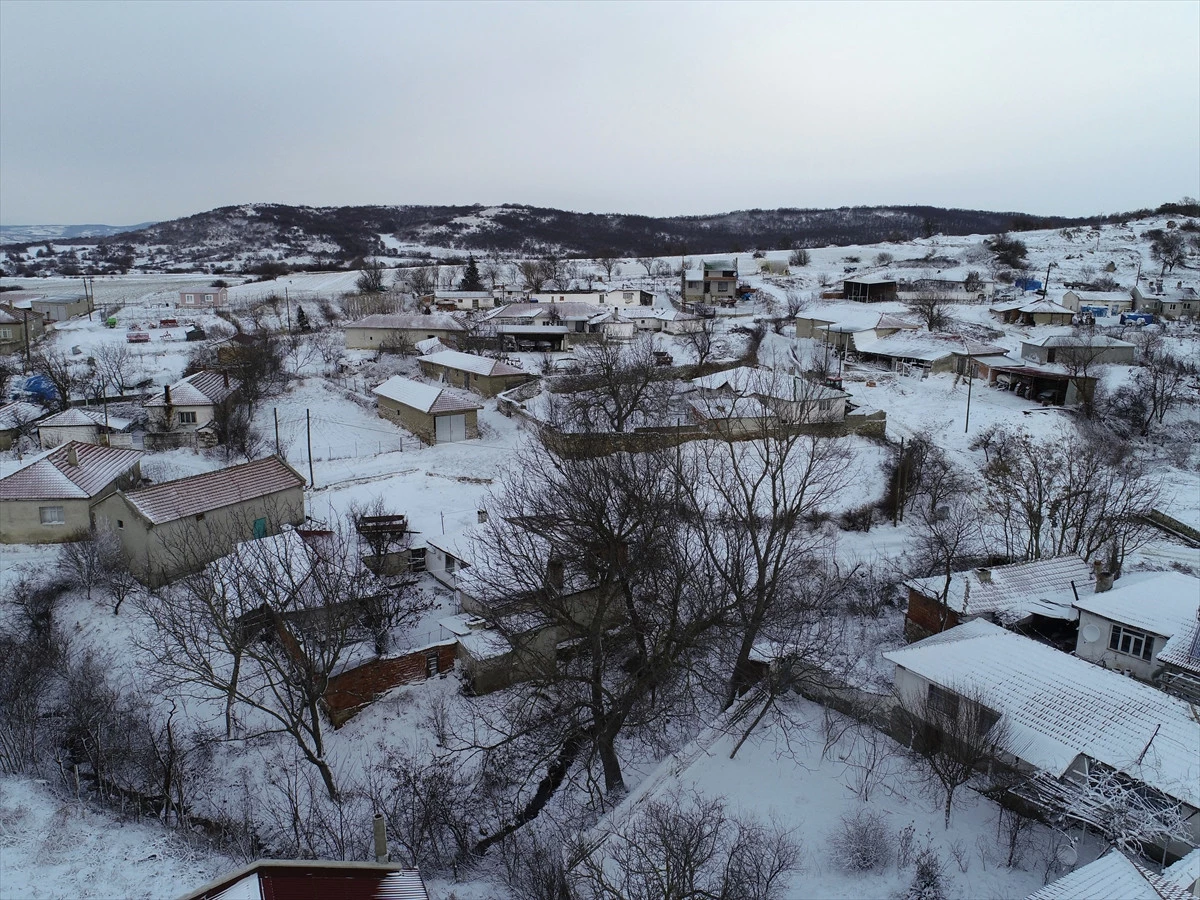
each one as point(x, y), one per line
point(469, 362)
point(76, 417)
point(436, 321)
point(462, 295)
point(7, 318)
point(429, 346)
point(1112, 877)
point(1058, 706)
point(1183, 650)
point(199, 389)
point(658, 312)
point(1185, 872)
point(1077, 340)
point(747, 381)
point(568, 310)
point(1042, 586)
point(869, 279)
point(55, 477)
point(460, 544)
point(427, 398)
point(926, 346)
point(1162, 603)
point(196, 494)
point(13, 415)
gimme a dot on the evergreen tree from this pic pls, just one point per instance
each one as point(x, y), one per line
point(302, 319)
point(471, 280)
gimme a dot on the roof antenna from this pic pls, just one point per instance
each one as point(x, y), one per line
point(1148, 743)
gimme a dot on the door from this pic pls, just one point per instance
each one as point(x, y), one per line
point(450, 428)
point(260, 528)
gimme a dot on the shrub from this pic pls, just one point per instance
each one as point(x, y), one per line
point(858, 519)
point(1009, 251)
point(862, 843)
point(929, 879)
point(799, 258)
point(883, 259)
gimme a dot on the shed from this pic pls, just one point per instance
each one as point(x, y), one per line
point(395, 332)
point(290, 879)
point(435, 414)
point(484, 376)
point(870, 288)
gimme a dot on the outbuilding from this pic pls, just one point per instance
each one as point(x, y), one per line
point(435, 414)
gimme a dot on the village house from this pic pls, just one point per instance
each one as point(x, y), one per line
point(61, 308)
point(669, 321)
point(385, 331)
point(1094, 349)
point(714, 282)
point(176, 527)
point(52, 499)
point(192, 403)
point(486, 377)
point(556, 326)
point(1032, 312)
point(203, 298)
point(870, 288)
point(1127, 628)
point(17, 419)
point(847, 330)
point(434, 414)
point(593, 296)
point(449, 301)
point(87, 425)
point(1098, 304)
point(19, 328)
point(1068, 723)
point(745, 400)
point(1172, 303)
point(957, 287)
point(1114, 876)
point(1033, 597)
point(923, 352)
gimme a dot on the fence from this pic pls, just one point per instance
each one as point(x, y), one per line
point(350, 691)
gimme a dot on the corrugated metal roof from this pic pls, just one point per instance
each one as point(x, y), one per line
point(574, 310)
point(469, 362)
point(1112, 877)
point(434, 321)
point(926, 346)
point(53, 477)
point(1077, 340)
point(1004, 587)
point(195, 494)
point(1060, 706)
point(199, 389)
point(427, 398)
point(67, 418)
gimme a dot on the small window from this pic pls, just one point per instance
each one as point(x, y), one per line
point(825, 405)
point(5, 334)
point(943, 702)
point(208, 298)
point(1131, 642)
point(52, 515)
point(120, 523)
point(722, 286)
point(199, 517)
point(187, 418)
point(260, 528)
point(190, 298)
point(416, 559)
point(627, 295)
point(450, 561)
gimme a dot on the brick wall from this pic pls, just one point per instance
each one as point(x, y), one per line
point(353, 689)
point(925, 617)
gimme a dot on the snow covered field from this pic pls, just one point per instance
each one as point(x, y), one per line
point(51, 847)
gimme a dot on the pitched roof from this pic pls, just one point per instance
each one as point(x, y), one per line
point(1077, 340)
point(427, 398)
point(53, 477)
point(196, 494)
point(566, 310)
point(435, 321)
point(1112, 877)
point(1183, 650)
point(7, 318)
point(870, 279)
point(1162, 603)
point(925, 346)
point(281, 879)
point(469, 362)
point(200, 389)
point(18, 413)
point(1013, 592)
point(1058, 706)
point(749, 381)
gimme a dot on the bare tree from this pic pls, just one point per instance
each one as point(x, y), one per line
point(953, 736)
point(609, 261)
point(64, 373)
point(620, 387)
point(115, 365)
point(933, 309)
point(371, 279)
point(1168, 248)
point(421, 280)
point(686, 848)
point(647, 263)
point(702, 342)
point(533, 274)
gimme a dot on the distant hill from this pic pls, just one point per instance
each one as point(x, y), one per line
point(239, 238)
point(30, 234)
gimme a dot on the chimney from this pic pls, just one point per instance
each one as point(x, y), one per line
point(555, 573)
point(381, 847)
point(481, 516)
point(984, 576)
point(1104, 581)
point(167, 395)
point(72, 456)
point(226, 374)
point(1097, 568)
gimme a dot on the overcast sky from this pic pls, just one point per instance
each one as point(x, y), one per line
point(127, 112)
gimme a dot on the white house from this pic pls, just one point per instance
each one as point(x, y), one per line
point(86, 425)
point(658, 318)
point(191, 403)
point(1124, 629)
point(460, 300)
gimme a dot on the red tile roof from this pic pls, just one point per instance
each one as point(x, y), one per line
point(54, 477)
point(195, 494)
point(305, 880)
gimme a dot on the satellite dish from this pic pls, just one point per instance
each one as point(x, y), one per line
point(1091, 633)
point(1067, 855)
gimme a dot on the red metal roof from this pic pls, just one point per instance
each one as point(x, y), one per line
point(304, 880)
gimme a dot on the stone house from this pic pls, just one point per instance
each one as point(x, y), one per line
point(61, 308)
point(53, 498)
point(1094, 349)
point(17, 418)
point(176, 527)
point(434, 414)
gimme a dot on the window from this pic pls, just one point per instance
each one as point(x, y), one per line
point(199, 517)
point(450, 561)
point(825, 404)
point(52, 515)
point(1131, 643)
point(5, 334)
point(722, 286)
point(120, 523)
point(416, 559)
point(943, 701)
point(189, 298)
point(260, 528)
point(187, 418)
point(208, 298)
point(627, 295)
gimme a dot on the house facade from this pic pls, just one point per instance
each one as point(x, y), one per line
point(18, 329)
point(60, 309)
point(486, 377)
point(714, 282)
point(53, 498)
point(191, 404)
point(1095, 349)
point(433, 413)
point(1098, 303)
point(459, 300)
point(16, 419)
point(203, 298)
point(1178, 302)
point(89, 426)
point(869, 288)
point(176, 527)
point(746, 400)
point(401, 332)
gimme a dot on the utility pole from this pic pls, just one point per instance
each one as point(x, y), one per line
point(1046, 286)
point(288, 304)
point(970, 381)
point(312, 479)
point(276, 411)
point(25, 323)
